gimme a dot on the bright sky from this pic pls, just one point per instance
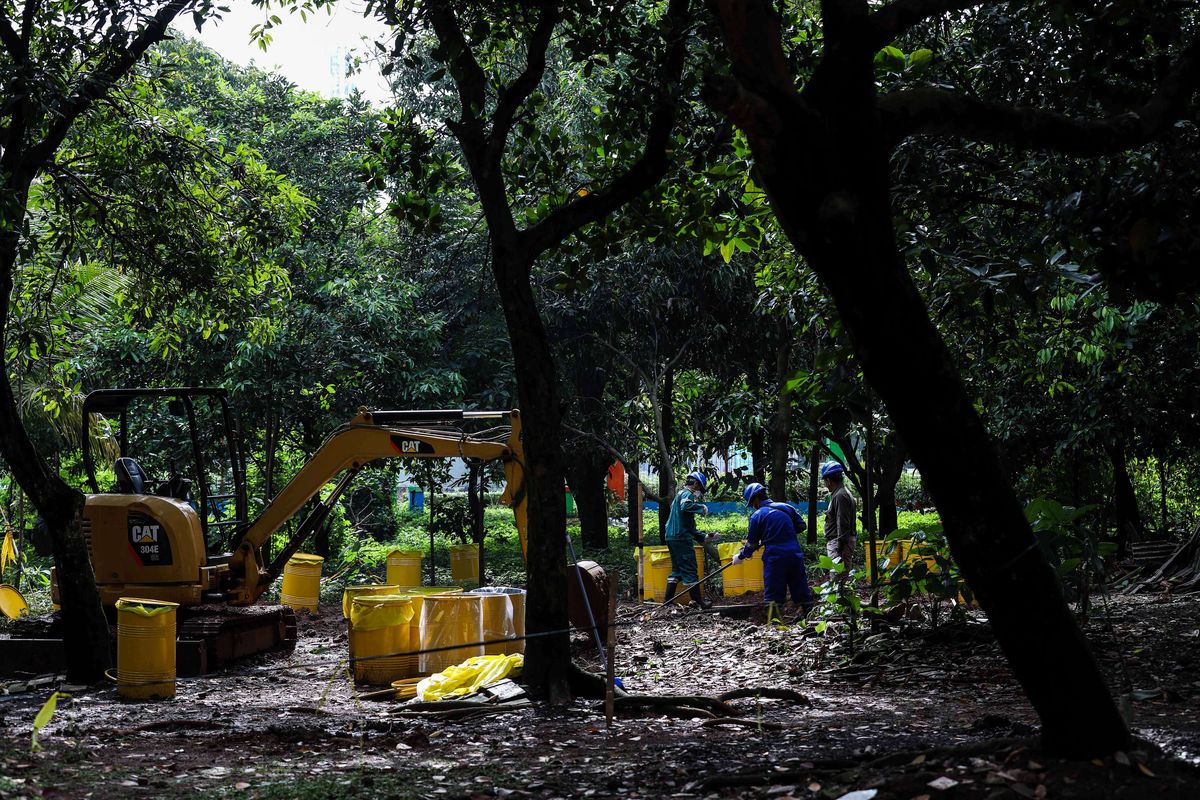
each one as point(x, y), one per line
point(301, 51)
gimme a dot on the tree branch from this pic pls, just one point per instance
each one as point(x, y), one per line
point(468, 75)
point(96, 84)
point(938, 111)
point(516, 93)
point(894, 19)
point(27, 15)
point(644, 173)
point(12, 42)
point(483, 161)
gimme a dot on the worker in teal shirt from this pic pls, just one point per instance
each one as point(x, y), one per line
point(681, 534)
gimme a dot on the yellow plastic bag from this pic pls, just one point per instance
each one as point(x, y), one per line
point(727, 550)
point(469, 676)
point(374, 611)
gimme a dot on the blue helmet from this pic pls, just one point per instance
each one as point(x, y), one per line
point(753, 490)
point(700, 478)
point(831, 469)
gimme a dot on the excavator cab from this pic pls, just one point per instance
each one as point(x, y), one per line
point(169, 498)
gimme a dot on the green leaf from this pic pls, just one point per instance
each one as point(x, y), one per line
point(43, 719)
point(921, 57)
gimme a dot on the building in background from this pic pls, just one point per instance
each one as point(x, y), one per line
point(343, 76)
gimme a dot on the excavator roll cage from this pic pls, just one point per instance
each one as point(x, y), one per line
point(182, 401)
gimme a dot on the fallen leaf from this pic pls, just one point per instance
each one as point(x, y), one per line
point(918, 760)
point(860, 794)
point(942, 784)
point(241, 786)
point(1122, 758)
point(1146, 770)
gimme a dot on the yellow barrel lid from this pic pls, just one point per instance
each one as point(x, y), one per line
point(426, 591)
point(380, 599)
point(12, 603)
point(407, 553)
point(145, 606)
point(306, 558)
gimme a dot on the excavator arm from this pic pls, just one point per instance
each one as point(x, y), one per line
point(370, 436)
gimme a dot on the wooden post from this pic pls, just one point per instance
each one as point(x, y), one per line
point(610, 642)
point(635, 512)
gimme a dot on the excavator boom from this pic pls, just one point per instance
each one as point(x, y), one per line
point(370, 436)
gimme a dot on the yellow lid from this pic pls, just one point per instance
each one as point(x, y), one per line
point(144, 607)
point(12, 602)
point(426, 591)
point(307, 558)
point(352, 592)
point(374, 611)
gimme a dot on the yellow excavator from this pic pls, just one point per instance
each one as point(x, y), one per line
point(152, 539)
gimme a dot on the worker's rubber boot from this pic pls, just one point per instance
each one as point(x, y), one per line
point(698, 598)
point(672, 590)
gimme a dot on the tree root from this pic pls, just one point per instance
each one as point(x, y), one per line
point(768, 693)
point(589, 685)
point(682, 701)
point(460, 714)
point(744, 722)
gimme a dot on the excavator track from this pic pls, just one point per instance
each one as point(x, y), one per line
point(212, 637)
point(208, 639)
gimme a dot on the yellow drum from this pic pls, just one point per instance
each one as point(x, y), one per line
point(145, 648)
point(503, 618)
point(418, 594)
point(732, 579)
point(870, 557)
point(752, 573)
point(656, 576)
point(352, 592)
point(302, 582)
point(517, 645)
point(464, 562)
point(448, 620)
point(380, 633)
point(404, 568)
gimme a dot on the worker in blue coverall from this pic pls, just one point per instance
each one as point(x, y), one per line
point(776, 527)
point(681, 535)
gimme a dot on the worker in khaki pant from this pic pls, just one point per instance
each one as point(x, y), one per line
point(841, 534)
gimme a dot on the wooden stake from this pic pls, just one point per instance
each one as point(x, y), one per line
point(635, 512)
point(610, 685)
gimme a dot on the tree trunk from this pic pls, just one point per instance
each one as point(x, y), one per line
point(814, 466)
point(587, 472)
point(666, 464)
point(632, 484)
point(824, 166)
point(547, 658)
point(85, 629)
point(1162, 493)
point(891, 457)
point(781, 423)
point(1125, 507)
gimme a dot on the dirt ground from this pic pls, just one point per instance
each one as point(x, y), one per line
point(915, 713)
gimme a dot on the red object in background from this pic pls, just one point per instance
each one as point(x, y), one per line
point(616, 479)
